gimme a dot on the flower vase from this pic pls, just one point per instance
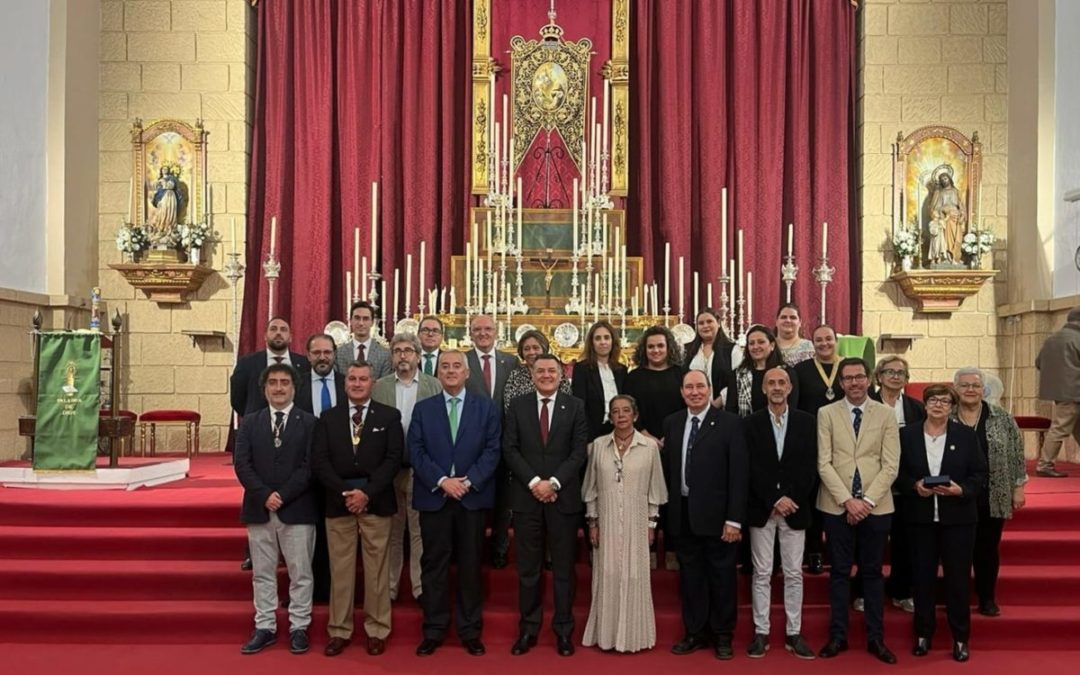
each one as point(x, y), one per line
point(195, 255)
point(905, 263)
point(975, 262)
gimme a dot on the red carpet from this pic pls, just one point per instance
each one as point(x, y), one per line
point(104, 571)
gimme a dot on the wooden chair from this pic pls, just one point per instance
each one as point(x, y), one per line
point(189, 418)
point(127, 443)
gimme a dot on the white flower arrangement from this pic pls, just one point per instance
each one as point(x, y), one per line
point(905, 243)
point(131, 239)
point(195, 236)
point(977, 243)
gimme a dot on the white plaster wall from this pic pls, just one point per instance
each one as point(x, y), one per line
point(24, 52)
point(1066, 147)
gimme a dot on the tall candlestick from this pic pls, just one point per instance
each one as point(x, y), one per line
point(520, 215)
point(824, 240)
point(453, 300)
point(361, 283)
point(232, 226)
point(442, 300)
point(697, 292)
point(468, 273)
point(731, 297)
point(622, 274)
point(385, 301)
point(273, 233)
point(131, 197)
point(742, 266)
point(723, 231)
point(667, 274)
point(574, 215)
point(421, 285)
point(356, 260)
point(348, 293)
point(708, 295)
point(596, 297)
point(655, 301)
point(408, 282)
point(375, 228)
point(491, 131)
point(790, 238)
point(584, 172)
point(488, 238)
point(749, 299)
point(480, 285)
point(397, 294)
point(682, 287)
point(604, 127)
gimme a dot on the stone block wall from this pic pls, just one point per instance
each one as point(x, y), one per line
point(186, 60)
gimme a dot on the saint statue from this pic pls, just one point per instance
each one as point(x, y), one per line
point(946, 208)
point(167, 202)
point(938, 252)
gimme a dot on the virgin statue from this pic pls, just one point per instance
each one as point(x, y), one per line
point(167, 202)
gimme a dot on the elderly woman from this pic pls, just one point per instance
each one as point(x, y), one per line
point(1003, 447)
point(941, 516)
point(623, 490)
point(532, 343)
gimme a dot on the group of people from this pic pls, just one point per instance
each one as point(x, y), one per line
point(791, 446)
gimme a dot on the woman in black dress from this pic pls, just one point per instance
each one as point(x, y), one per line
point(656, 382)
point(598, 377)
point(710, 352)
point(818, 381)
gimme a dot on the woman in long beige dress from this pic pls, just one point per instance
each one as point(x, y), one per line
point(624, 488)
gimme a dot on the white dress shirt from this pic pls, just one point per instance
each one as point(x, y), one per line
point(405, 398)
point(935, 452)
point(284, 420)
point(607, 379)
point(367, 348)
point(316, 391)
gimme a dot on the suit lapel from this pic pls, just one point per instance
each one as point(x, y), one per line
point(922, 459)
point(708, 424)
point(556, 414)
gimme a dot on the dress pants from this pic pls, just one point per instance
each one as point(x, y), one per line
point(987, 551)
point(1064, 422)
point(501, 516)
point(952, 545)
point(452, 532)
point(762, 540)
point(707, 582)
point(375, 558)
point(871, 534)
point(559, 531)
point(295, 543)
point(899, 584)
point(406, 515)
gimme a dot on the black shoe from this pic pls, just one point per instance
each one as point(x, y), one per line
point(427, 647)
point(564, 646)
point(298, 642)
point(960, 652)
point(758, 646)
point(245, 564)
point(832, 648)
point(921, 648)
point(499, 561)
point(723, 649)
point(797, 646)
point(688, 645)
point(879, 650)
point(816, 565)
point(989, 608)
point(260, 640)
point(474, 647)
point(524, 643)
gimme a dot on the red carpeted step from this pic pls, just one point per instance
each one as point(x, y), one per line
point(123, 543)
point(1040, 547)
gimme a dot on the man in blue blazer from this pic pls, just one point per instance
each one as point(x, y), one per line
point(454, 449)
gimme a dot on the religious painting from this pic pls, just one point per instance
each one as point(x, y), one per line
point(937, 177)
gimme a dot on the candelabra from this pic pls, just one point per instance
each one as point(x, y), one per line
point(519, 305)
point(823, 274)
point(740, 303)
point(373, 300)
point(576, 303)
point(788, 271)
point(727, 320)
point(271, 270)
point(234, 272)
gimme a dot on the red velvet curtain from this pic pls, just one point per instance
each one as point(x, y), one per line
point(349, 92)
point(756, 96)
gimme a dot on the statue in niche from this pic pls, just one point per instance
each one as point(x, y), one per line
point(167, 201)
point(947, 211)
point(938, 251)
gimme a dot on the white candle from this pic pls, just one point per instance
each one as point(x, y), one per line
point(480, 284)
point(509, 312)
point(505, 130)
point(742, 266)
point(375, 228)
point(682, 287)
point(488, 239)
point(790, 238)
point(749, 299)
point(574, 215)
point(361, 281)
point(604, 128)
point(356, 257)
point(468, 273)
point(421, 285)
point(510, 170)
point(131, 197)
point(498, 164)
point(667, 274)
point(521, 209)
point(634, 305)
point(273, 233)
point(596, 293)
point(731, 296)
point(610, 284)
point(491, 131)
point(348, 293)
point(824, 240)
point(385, 299)
point(622, 274)
point(596, 162)
point(708, 294)
point(697, 291)
point(584, 172)
point(232, 225)
point(723, 231)
point(408, 282)
point(397, 294)
point(655, 300)
point(453, 299)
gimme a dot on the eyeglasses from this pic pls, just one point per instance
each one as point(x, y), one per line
point(853, 378)
point(939, 400)
point(892, 372)
point(400, 351)
point(430, 331)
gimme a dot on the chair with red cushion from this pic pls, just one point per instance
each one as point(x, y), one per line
point(1033, 423)
point(189, 418)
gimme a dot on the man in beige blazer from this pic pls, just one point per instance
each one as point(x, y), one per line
point(858, 458)
point(402, 389)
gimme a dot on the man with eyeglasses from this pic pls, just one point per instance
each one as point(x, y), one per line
point(858, 458)
point(431, 339)
point(402, 390)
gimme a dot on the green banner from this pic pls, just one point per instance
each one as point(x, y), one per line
point(66, 431)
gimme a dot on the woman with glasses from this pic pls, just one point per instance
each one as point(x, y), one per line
point(1003, 448)
point(623, 490)
point(891, 376)
point(942, 472)
point(794, 348)
point(532, 343)
point(598, 377)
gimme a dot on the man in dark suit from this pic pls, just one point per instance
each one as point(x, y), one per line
point(272, 460)
point(545, 446)
point(363, 346)
point(706, 463)
point(858, 454)
point(782, 445)
point(245, 394)
point(430, 333)
point(321, 388)
point(453, 445)
point(356, 453)
point(489, 369)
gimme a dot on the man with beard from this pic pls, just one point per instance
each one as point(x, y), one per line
point(402, 390)
point(431, 337)
point(363, 346)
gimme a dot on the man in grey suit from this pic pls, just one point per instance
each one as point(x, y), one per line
point(362, 346)
point(489, 369)
point(272, 458)
point(402, 390)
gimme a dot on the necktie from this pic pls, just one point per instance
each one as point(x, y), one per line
point(429, 364)
point(454, 417)
point(326, 402)
point(545, 420)
point(357, 427)
point(856, 482)
point(487, 372)
point(360, 352)
point(279, 359)
point(694, 425)
point(279, 426)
